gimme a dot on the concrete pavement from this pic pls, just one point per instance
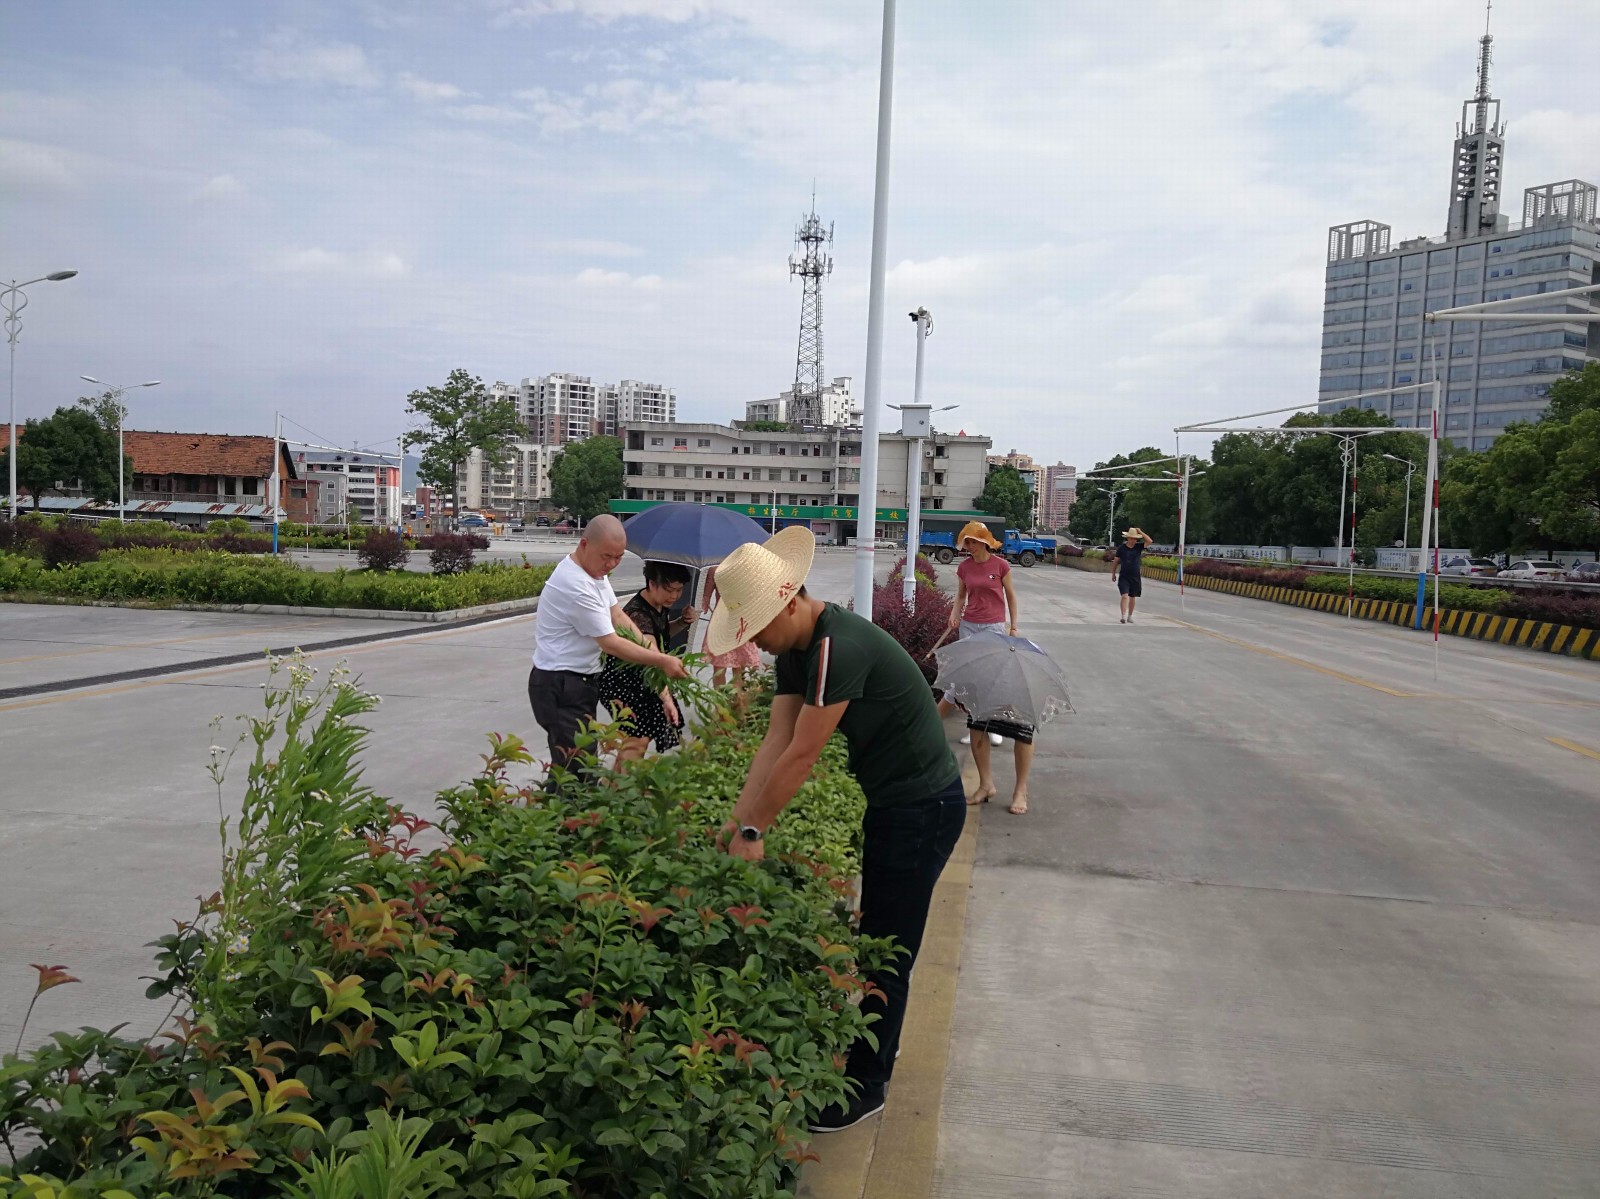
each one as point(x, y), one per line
point(1287, 917)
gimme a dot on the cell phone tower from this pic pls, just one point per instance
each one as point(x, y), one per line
point(812, 260)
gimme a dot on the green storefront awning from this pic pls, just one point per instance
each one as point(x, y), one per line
point(807, 512)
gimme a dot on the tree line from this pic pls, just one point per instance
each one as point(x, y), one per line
point(1536, 489)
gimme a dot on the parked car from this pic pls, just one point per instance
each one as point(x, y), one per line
point(1479, 567)
point(473, 520)
point(1584, 572)
point(541, 522)
point(1529, 568)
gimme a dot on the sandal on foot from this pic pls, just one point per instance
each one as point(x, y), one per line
point(1019, 805)
point(981, 795)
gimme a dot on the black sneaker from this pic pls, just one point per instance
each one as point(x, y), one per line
point(836, 1117)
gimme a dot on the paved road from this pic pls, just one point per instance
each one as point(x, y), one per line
point(1288, 918)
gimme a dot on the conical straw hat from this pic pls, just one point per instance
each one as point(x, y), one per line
point(755, 582)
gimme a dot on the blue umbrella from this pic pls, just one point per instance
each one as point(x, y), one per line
point(695, 535)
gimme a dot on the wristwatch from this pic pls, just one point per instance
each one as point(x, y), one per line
point(750, 832)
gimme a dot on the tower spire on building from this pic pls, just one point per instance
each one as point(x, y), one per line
point(1479, 154)
point(812, 261)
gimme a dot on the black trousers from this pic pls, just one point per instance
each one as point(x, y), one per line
point(563, 702)
point(904, 853)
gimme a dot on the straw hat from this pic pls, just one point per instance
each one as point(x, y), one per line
point(977, 531)
point(755, 582)
point(1132, 533)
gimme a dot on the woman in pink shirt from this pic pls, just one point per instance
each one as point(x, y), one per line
point(984, 597)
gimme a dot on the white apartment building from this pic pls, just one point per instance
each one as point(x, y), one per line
point(520, 487)
point(632, 403)
point(840, 407)
point(369, 486)
point(560, 408)
point(807, 475)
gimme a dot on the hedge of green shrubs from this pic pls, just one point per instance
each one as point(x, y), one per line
point(496, 997)
point(234, 534)
point(1553, 604)
point(168, 576)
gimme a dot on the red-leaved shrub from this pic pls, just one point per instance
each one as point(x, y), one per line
point(1554, 605)
point(68, 546)
point(20, 536)
point(919, 631)
point(1272, 576)
point(383, 550)
point(451, 553)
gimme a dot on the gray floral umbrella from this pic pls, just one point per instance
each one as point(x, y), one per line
point(995, 677)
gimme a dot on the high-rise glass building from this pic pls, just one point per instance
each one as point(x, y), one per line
point(1494, 373)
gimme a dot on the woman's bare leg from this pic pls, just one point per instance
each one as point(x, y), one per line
point(981, 759)
point(1019, 793)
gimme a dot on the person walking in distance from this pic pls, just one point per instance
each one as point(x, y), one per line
point(576, 624)
point(1125, 567)
point(837, 670)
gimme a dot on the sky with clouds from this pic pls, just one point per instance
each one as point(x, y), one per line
point(1116, 213)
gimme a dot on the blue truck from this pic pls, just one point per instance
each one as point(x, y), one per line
point(940, 545)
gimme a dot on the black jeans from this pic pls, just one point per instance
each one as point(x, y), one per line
point(905, 850)
point(563, 702)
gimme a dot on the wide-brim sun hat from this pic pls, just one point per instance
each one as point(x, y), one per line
point(755, 583)
point(1132, 533)
point(976, 530)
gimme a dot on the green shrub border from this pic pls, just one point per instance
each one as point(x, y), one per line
point(165, 577)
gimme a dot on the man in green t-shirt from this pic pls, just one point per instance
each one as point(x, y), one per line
point(839, 671)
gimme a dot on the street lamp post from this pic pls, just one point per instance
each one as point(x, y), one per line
point(1111, 512)
point(13, 299)
point(116, 398)
point(1405, 527)
point(872, 401)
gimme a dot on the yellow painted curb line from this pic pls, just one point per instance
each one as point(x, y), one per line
point(1559, 639)
point(894, 1155)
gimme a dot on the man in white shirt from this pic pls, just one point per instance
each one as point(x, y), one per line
point(575, 625)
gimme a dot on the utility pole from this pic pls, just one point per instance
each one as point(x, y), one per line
point(872, 403)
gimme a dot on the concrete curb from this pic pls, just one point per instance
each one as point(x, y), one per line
point(1480, 626)
point(895, 1155)
point(448, 616)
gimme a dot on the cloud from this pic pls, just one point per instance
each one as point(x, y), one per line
point(589, 247)
point(287, 56)
point(486, 113)
point(31, 167)
point(424, 89)
point(597, 277)
point(315, 261)
point(220, 188)
point(818, 26)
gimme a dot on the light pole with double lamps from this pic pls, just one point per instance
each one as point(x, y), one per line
point(13, 299)
point(1405, 527)
point(116, 394)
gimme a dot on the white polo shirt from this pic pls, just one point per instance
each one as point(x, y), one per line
point(574, 609)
